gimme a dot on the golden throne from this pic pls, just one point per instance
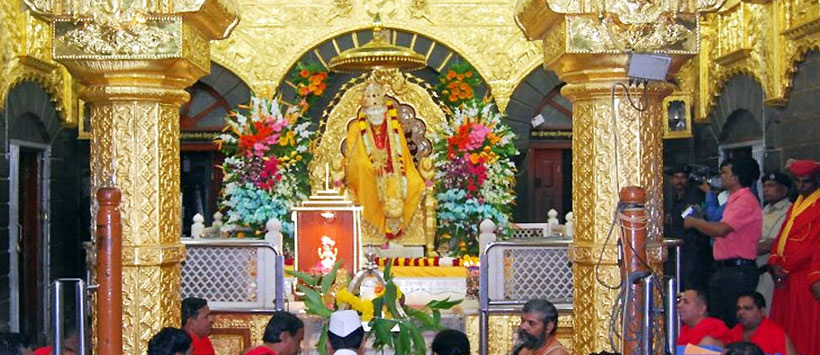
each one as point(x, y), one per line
point(418, 114)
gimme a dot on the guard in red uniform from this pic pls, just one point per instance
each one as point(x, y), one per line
point(283, 336)
point(196, 321)
point(795, 263)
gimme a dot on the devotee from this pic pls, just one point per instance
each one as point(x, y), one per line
point(775, 196)
point(536, 333)
point(742, 348)
point(451, 342)
point(345, 333)
point(283, 336)
point(698, 328)
point(196, 321)
point(735, 239)
point(797, 276)
point(696, 252)
point(70, 344)
point(170, 341)
point(753, 326)
point(380, 169)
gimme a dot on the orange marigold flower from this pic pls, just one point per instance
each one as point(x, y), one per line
point(451, 74)
point(316, 79)
point(303, 90)
point(304, 73)
point(452, 85)
point(460, 76)
point(453, 98)
point(469, 74)
point(465, 87)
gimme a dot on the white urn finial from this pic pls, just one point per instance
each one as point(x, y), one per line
point(198, 228)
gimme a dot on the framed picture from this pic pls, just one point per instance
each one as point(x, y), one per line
point(677, 117)
point(83, 120)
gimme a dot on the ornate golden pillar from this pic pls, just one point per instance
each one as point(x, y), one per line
point(616, 137)
point(135, 58)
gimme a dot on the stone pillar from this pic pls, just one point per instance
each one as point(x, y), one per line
point(135, 59)
point(616, 138)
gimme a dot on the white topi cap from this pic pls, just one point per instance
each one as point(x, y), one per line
point(342, 323)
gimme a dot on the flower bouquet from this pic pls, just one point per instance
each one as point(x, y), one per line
point(267, 150)
point(384, 313)
point(457, 84)
point(475, 176)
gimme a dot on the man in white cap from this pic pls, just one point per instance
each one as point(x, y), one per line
point(345, 333)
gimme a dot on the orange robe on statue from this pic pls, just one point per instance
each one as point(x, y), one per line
point(797, 250)
point(362, 175)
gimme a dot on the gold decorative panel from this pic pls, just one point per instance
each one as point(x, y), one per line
point(502, 330)
point(482, 32)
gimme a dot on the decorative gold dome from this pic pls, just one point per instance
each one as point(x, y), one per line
point(377, 54)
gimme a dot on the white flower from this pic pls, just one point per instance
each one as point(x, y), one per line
point(301, 148)
point(227, 138)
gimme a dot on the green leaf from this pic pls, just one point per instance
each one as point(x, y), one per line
point(328, 279)
point(321, 346)
point(313, 302)
point(402, 346)
point(437, 316)
point(378, 304)
point(304, 277)
point(387, 276)
point(419, 347)
point(443, 304)
point(390, 298)
point(381, 327)
point(426, 320)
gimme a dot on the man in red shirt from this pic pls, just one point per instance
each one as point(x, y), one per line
point(697, 328)
point(797, 244)
point(196, 321)
point(753, 326)
point(736, 236)
point(283, 336)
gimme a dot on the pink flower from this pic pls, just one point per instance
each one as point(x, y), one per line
point(477, 136)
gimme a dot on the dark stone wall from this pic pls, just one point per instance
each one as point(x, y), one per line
point(793, 130)
point(30, 117)
point(740, 115)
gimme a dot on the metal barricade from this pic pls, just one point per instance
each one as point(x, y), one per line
point(672, 290)
point(545, 272)
point(80, 291)
point(232, 275)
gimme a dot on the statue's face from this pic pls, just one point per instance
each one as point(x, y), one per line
point(373, 103)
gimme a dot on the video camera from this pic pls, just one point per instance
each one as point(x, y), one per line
point(699, 174)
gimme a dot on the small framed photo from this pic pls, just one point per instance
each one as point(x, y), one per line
point(677, 117)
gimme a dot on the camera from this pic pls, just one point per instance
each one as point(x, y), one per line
point(699, 174)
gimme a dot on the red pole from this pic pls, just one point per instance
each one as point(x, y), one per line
point(109, 273)
point(633, 225)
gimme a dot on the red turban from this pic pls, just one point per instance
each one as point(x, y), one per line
point(804, 167)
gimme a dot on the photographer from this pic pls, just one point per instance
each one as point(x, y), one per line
point(696, 252)
point(736, 236)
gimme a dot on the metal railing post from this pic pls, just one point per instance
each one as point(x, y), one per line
point(58, 315)
point(484, 302)
point(648, 315)
point(80, 290)
point(280, 282)
point(671, 312)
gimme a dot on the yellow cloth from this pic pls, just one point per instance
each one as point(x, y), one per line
point(427, 271)
point(799, 206)
point(361, 179)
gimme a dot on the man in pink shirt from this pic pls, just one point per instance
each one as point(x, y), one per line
point(735, 237)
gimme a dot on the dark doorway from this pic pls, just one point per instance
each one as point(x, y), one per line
point(546, 183)
point(31, 243)
point(739, 153)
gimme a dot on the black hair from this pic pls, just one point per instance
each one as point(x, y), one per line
point(756, 297)
point(702, 296)
point(190, 308)
point(451, 342)
point(743, 348)
point(546, 309)
point(13, 343)
point(746, 169)
point(352, 341)
point(169, 341)
point(281, 322)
